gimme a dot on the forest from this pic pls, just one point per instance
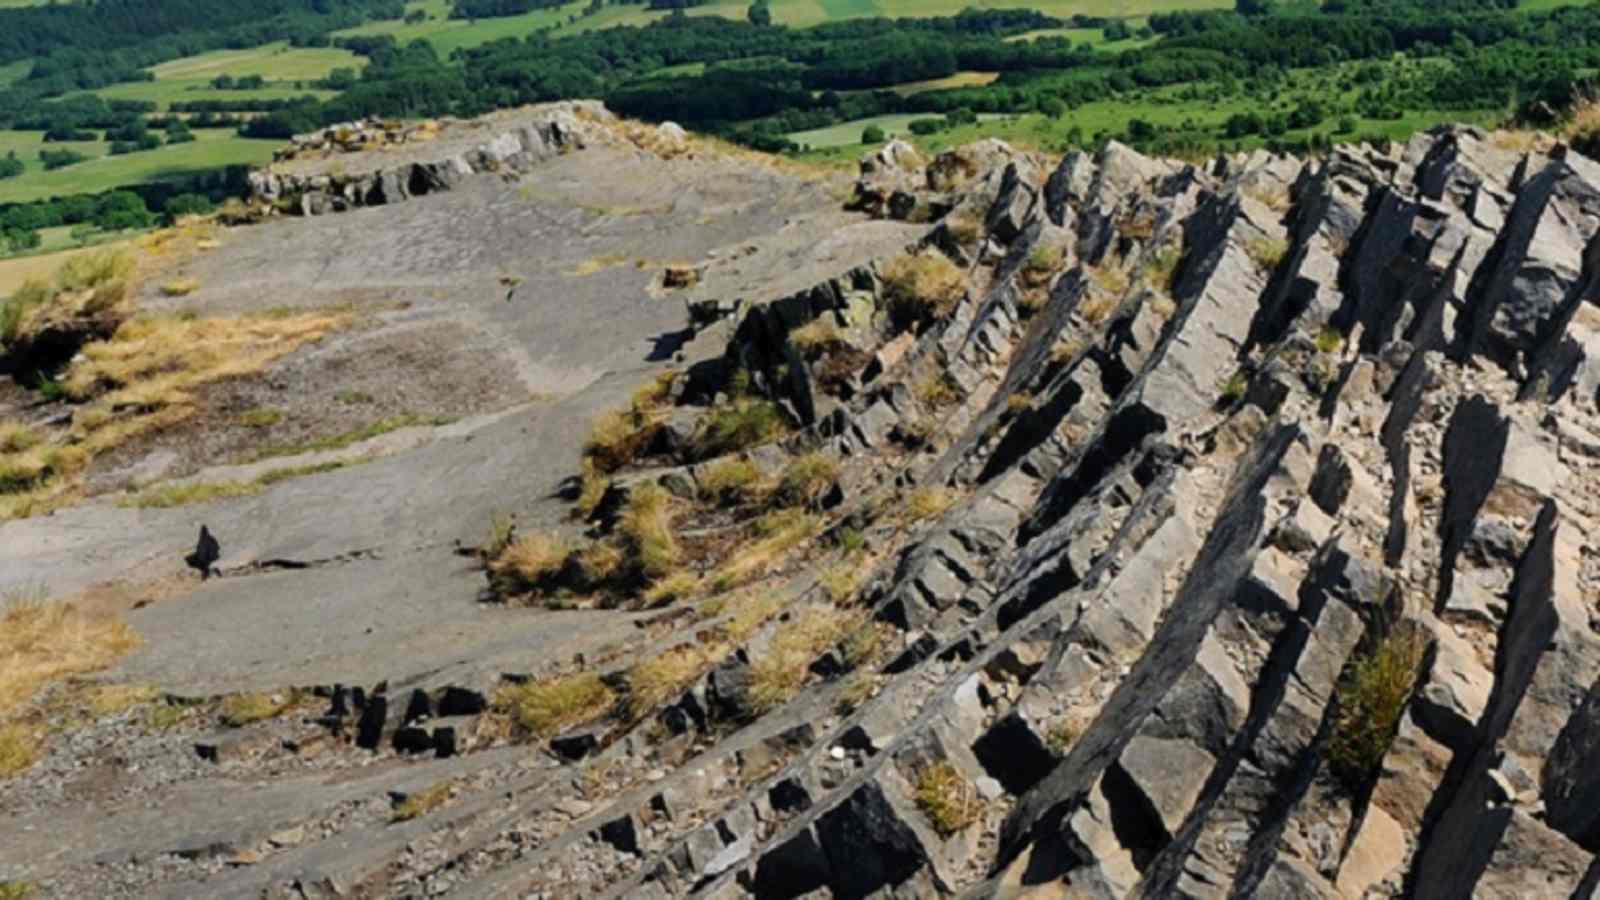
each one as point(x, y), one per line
point(760, 84)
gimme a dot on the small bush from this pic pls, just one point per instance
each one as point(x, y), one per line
point(839, 582)
point(1095, 307)
point(731, 480)
point(922, 288)
point(739, 425)
point(950, 801)
point(807, 480)
point(1370, 700)
point(543, 708)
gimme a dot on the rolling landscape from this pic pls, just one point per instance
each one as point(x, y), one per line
point(799, 449)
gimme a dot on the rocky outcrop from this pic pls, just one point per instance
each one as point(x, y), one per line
point(1208, 531)
point(334, 170)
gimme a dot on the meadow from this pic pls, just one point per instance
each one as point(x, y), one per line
point(213, 148)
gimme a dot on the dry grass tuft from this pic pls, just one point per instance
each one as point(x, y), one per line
point(1062, 736)
point(731, 481)
point(181, 287)
point(619, 437)
point(807, 480)
point(646, 528)
point(839, 582)
point(777, 675)
point(421, 803)
point(1329, 340)
point(922, 287)
point(1043, 261)
point(856, 688)
point(543, 708)
point(950, 801)
point(1266, 253)
point(662, 678)
point(239, 710)
point(43, 641)
point(111, 699)
point(592, 487)
point(530, 562)
point(674, 587)
point(1370, 700)
point(19, 749)
point(938, 390)
point(776, 534)
point(739, 425)
point(260, 417)
point(928, 503)
point(141, 380)
point(598, 264)
point(964, 226)
point(817, 336)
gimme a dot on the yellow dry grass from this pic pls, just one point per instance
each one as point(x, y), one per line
point(239, 710)
point(807, 480)
point(776, 533)
point(662, 678)
point(43, 641)
point(950, 801)
point(922, 286)
point(421, 803)
point(646, 527)
point(732, 480)
point(530, 561)
point(143, 380)
point(180, 287)
point(928, 502)
point(542, 708)
point(778, 674)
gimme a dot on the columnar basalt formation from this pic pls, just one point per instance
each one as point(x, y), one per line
point(1219, 530)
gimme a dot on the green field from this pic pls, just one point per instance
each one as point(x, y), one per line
point(448, 35)
point(815, 12)
point(214, 147)
point(848, 134)
point(190, 78)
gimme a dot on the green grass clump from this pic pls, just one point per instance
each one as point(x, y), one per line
point(739, 425)
point(543, 708)
point(1329, 340)
point(950, 801)
point(1370, 700)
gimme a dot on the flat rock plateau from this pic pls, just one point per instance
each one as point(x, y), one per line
point(988, 526)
